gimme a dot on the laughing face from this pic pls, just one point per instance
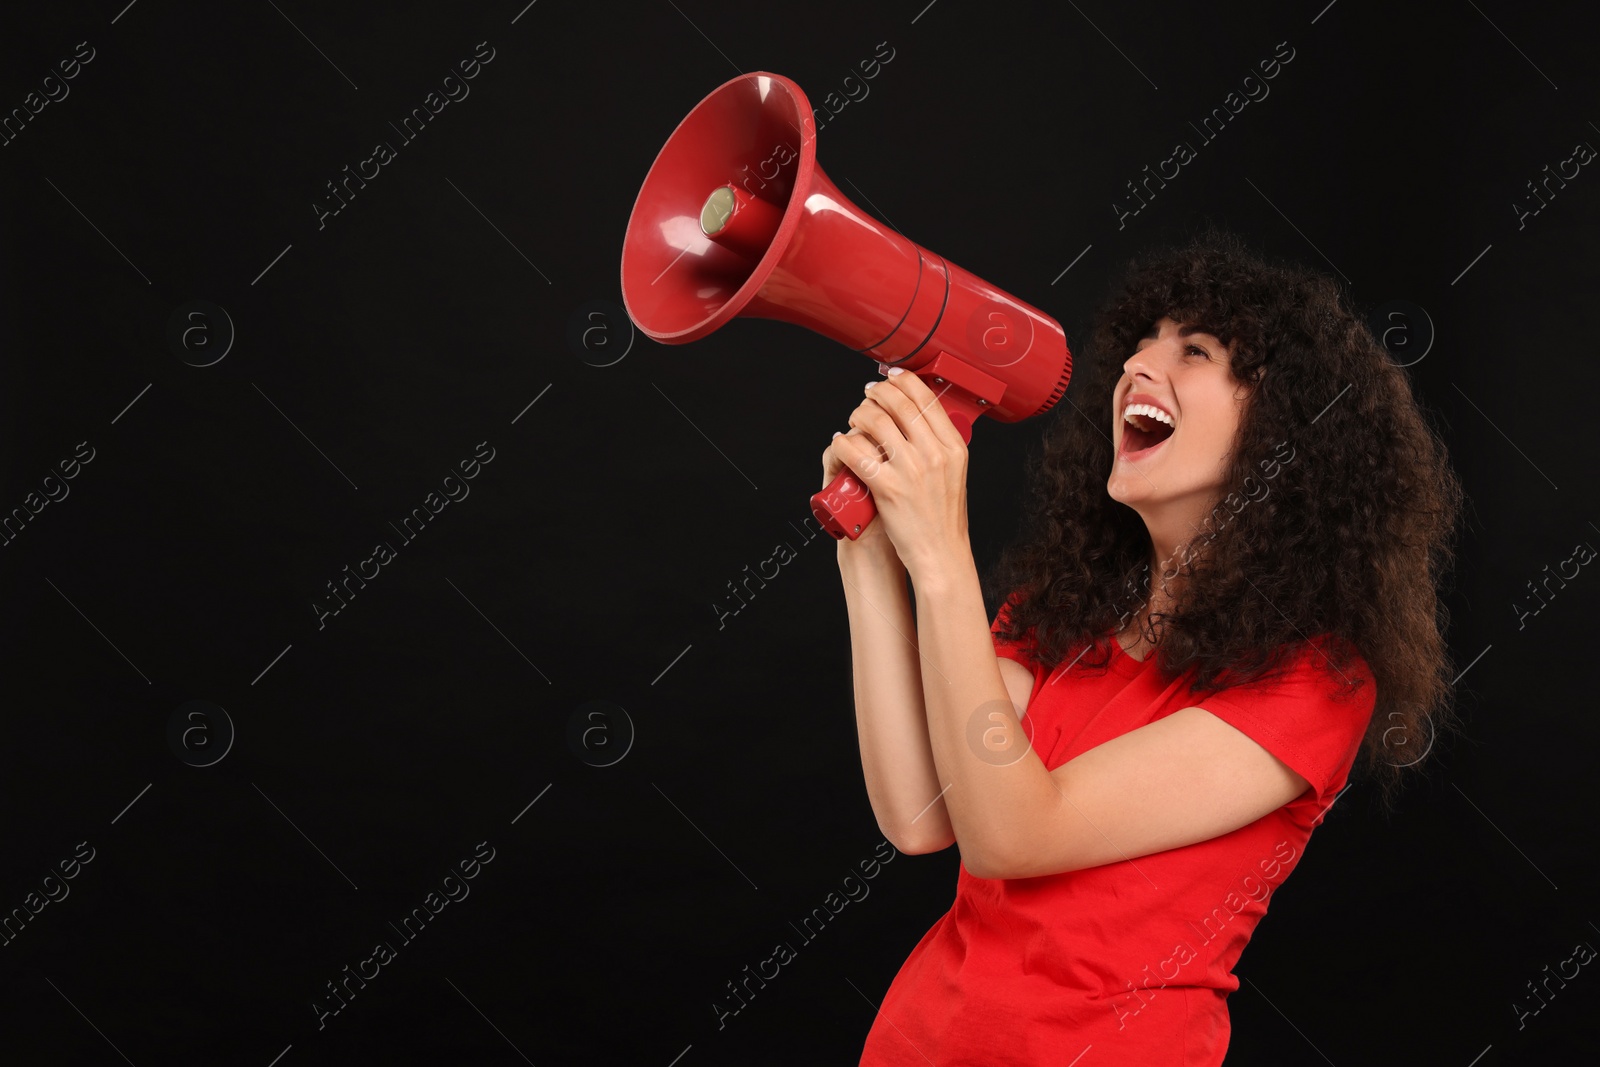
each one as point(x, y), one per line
point(1175, 417)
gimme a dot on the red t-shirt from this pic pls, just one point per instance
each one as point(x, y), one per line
point(1133, 958)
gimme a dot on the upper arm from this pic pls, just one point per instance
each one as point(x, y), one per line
point(1184, 778)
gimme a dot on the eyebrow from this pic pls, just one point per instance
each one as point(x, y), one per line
point(1183, 331)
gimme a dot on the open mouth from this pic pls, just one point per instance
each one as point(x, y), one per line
point(1142, 434)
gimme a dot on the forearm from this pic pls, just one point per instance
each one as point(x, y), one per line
point(979, 748)
point(896, 758)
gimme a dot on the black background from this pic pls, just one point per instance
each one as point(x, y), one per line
point(376, 352)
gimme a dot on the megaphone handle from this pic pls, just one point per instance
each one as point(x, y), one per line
point(845, 507)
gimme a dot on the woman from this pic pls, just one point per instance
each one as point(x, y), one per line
point(1222, 597)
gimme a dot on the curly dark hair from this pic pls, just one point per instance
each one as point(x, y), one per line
point(1350, 538)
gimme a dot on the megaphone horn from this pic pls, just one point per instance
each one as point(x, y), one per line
point(710, 238)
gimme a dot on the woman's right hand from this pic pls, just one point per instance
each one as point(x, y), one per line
point(873, 544)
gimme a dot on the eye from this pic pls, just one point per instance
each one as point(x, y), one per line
point(1201, 351)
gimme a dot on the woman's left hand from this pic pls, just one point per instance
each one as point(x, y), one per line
point(919, 480)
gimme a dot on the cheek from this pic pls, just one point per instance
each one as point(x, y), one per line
point(1219, 429)
point(1228, 435)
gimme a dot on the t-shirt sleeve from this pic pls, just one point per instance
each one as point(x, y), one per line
point(1021, 651)
point(1303, 716)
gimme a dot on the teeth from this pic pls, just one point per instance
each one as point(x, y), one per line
point(1148, 411)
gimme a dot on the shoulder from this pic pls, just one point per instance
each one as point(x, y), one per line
point(1323, 661)
point(1311, 710)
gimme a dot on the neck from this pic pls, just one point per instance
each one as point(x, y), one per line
point(1159, 597)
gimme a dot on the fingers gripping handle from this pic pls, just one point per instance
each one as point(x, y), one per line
point(845, 507)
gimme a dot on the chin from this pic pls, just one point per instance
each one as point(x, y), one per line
point(1126, 499)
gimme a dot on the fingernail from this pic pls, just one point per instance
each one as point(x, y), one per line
point(871, 384)
point(897, 370)
point(838, 433)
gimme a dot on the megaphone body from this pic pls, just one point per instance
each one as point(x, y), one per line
point(736, 217)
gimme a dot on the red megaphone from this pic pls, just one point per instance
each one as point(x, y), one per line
point(737, 218)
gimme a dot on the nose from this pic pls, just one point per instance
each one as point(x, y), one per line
point(1142, 365)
